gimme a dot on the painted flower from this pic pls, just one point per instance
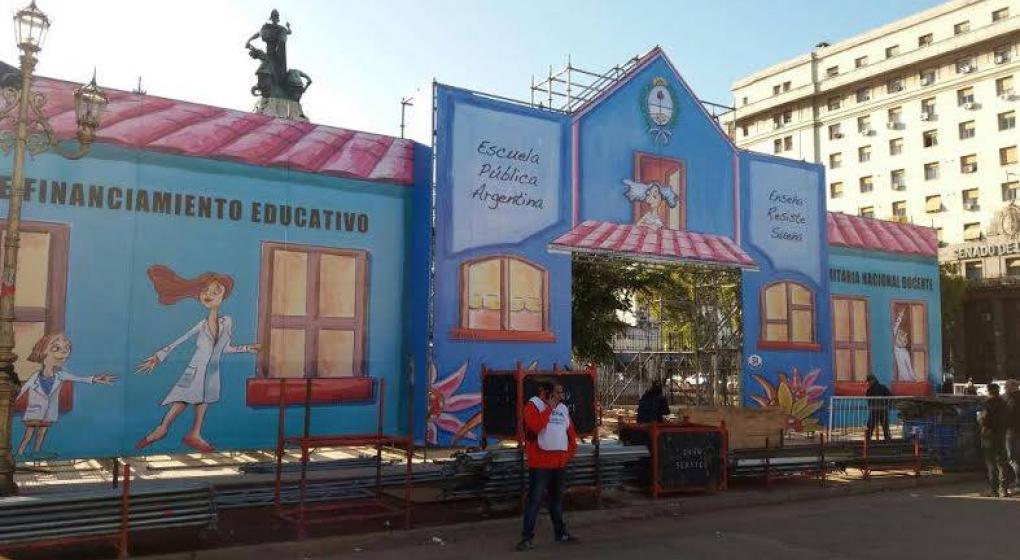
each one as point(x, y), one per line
point(798, 396)
point(442, 402)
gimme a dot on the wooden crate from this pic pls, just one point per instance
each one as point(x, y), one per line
point(747, 427)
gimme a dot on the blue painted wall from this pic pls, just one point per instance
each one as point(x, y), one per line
point(880, 301)
point(114, 320)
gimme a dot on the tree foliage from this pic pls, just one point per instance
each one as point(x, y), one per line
point(953, 288)
point(603, 289)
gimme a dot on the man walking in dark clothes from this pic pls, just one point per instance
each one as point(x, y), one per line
point(1012, 398)
point(878, 409)
point(993, 420)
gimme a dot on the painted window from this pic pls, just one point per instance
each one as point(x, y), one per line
point(850, 339)
point(788, 310)
point(312, 307)
point(504, 298)
point(667, 173)
point(40, 289)
point(910, 341)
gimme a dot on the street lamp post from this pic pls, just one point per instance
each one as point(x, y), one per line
point(32, 133)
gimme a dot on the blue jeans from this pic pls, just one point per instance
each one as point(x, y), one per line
point(550, 482)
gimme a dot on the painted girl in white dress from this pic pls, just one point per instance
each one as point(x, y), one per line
point(42, 390)
point(654, 195)
point(199, 383)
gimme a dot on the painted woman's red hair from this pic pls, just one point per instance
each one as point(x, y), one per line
point(171, 288)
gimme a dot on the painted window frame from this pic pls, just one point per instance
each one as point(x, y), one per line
point(504, 334)
point(910, 303)
point(54, 315)
point(851, 345)
point(764, 321)
point(681, 194)
point(310, 321)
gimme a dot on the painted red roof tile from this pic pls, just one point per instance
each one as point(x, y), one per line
point(661, 245)
point(191, 129)
point(880, 235)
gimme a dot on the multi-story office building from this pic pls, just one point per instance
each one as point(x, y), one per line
point(915, 121)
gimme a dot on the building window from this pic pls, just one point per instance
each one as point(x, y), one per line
point(928, 109)
point(972, 231)
point(743, 130)
point(1002, 55)
point(896, 146)
point(931, 171)
point(930, 138)
point(933, 204)
point(777, 146)
point(850, 338)
point(867, 185)
point(925, 40)
point(835, 103)
point(968, 164)
point(927, 77)
point(863, 94)
point(788, 143)
point(786, 86)
point(860, 62)
point(962, 27)
point(312, 311)
point(895, 117)
point(835, 132)
point(776, 89)
point(1013, 266)
point(1009, 189)
point(965, 66)
point(970, 199)
point(40, 289)
point(867, 211)
point(864, 125)
point(899, 209)
point(504, 298)
point(789, 314)
point(897, 178)
point(669, 174)
point(864, 154)
point(965, 96)
point(836, 190)
point(835, 160)
point(910, 340)
point(1004, 86)
point(892, 51)
point(1007, 155)
point(973, 270)
point(967, 130)
point(1000, 14)
point(832, 71)
point(1007, 120)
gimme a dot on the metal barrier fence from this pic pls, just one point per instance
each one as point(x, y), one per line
point(849, 418)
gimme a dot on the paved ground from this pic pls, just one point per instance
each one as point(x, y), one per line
point(928, 523)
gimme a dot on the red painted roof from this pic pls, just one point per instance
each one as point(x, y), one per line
point(663, 245)
point(879, 235)
point(178, 127)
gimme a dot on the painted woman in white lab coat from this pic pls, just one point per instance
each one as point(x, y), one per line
point(41, 392)
point(654, 195)
point(199, 383)
point(901, 349)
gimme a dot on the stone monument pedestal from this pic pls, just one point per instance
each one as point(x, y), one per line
point(279, 107)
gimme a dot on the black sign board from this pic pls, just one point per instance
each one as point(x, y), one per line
point(499, 404)
point(500, 408)
point(688, 459)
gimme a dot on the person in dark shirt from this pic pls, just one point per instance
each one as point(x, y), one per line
point(653, 406)
point(1012, 398)
point(878, 409)
point(993, 419)
point(969, 388)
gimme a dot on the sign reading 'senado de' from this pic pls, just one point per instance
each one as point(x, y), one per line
point(975, 251)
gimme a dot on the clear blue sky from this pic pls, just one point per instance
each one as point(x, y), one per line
point(365, 55)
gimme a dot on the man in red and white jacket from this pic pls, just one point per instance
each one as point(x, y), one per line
point(550, 443)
